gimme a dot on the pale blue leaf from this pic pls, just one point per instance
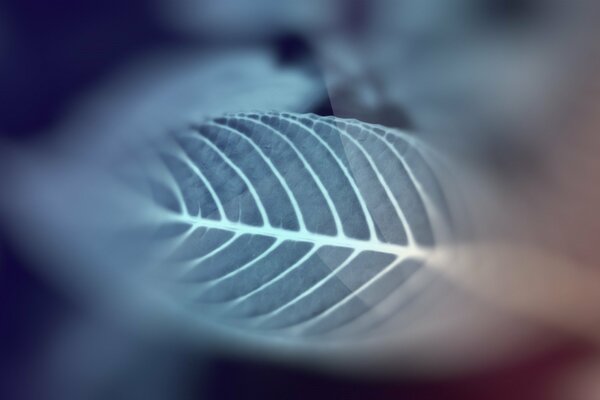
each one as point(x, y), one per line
point(295, 226)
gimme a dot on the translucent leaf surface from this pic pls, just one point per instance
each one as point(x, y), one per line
point(295, 225)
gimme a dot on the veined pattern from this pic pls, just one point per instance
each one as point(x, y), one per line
point(295, 225)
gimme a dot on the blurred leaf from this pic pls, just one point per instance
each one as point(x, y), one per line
point(172, 89)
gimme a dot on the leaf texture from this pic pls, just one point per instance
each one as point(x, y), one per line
point(296, 225)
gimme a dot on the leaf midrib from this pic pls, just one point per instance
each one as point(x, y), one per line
point(303, 236)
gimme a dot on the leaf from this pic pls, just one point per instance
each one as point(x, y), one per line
point(171, 88)
point(296, 225)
